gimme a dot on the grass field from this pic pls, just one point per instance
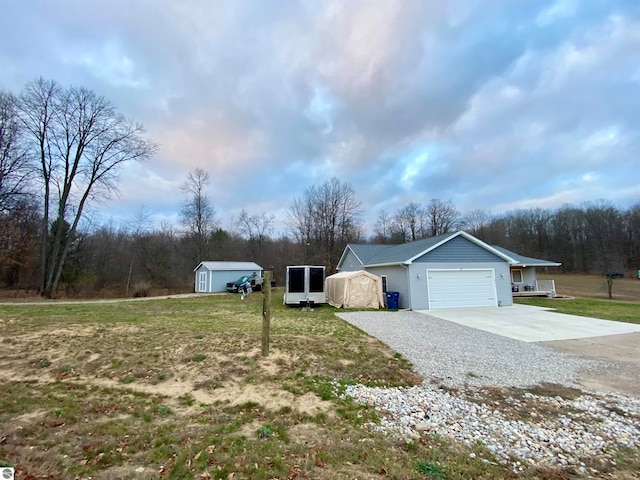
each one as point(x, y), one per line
point(178, 389)
point(590, 297)
point(594, 286)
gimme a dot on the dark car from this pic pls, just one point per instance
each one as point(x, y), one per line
point(243, 283)
point(615, 275)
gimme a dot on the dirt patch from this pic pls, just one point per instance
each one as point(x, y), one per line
point(622, 350)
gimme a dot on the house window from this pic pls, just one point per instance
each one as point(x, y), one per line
point(384, 283)
point(516, 276)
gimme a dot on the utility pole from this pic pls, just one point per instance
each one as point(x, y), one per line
point(266, 312)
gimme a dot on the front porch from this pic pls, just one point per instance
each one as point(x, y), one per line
point(539, 288)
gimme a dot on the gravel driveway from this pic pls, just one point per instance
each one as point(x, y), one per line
point(454, 355)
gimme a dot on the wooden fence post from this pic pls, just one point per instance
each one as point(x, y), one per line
point(266, 312)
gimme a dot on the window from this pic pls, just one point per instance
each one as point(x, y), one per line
point(296, 280)
point(316, 280)
point(516, 276)
point(384, 283)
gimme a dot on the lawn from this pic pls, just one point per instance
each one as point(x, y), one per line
point(589, 307)
point(625, 289)
point(178, 388)
point(590, 297)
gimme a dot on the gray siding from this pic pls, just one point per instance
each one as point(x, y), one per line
point(350, 263)
point(459, 250)
point(528, 277)
point(397, 281)
point(420, 294)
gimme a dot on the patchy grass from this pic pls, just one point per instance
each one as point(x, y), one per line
point(589, 307)
point(178, 389)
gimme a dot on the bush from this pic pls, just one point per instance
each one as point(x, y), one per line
point(141, 289)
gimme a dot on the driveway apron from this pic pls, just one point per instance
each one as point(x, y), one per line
point(532, 324)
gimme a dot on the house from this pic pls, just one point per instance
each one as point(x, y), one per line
point(213, 276)
point(446, 271)
point(523, 273)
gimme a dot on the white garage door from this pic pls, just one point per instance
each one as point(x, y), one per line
point(461, 288)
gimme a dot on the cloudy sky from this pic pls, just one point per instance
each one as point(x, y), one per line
point(495, 104)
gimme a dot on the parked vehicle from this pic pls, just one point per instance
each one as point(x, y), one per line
point(242, 284)
point(615, 275)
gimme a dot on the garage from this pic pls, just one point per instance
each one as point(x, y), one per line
point(461, 288)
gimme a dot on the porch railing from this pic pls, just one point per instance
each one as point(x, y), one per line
point(546, 286)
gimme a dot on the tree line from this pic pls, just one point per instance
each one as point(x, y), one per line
point(61, 148)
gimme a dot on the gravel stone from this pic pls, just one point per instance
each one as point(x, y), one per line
point(456, 355)
point(595, 425)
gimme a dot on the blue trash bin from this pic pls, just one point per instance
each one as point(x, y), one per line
point(392, 300)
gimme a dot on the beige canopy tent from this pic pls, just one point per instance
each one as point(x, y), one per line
point(358, 289)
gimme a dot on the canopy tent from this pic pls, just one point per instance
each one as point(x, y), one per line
point(357, 289)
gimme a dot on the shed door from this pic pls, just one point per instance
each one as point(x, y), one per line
point(461, 288)
point(202, 281)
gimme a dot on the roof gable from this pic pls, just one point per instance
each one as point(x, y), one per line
point(406, 253)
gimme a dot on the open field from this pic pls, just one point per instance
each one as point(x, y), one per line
point(594, 286)
point(591, 298)
point(177, 388)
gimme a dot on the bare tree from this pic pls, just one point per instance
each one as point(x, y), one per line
point(14, 159)
point(197, 214)
point(81, 141)
point(36, 111)
point(325, 219)
point(383, 228)
point(442, 217)
point(255, 228)
point(476, 222)
point(409, 221)
point(632, 227)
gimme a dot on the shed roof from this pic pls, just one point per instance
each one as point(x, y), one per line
point(229, 266)
point(522, 261)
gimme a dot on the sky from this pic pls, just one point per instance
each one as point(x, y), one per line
point(492, 104)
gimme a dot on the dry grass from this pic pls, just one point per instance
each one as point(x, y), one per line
point(594, 286)
point(178, 389)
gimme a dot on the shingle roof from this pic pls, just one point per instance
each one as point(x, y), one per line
point(229, 266)
point(381, 254)
point(526, 261)
point(404, 253)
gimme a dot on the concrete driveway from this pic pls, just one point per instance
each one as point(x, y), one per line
point(532, 324)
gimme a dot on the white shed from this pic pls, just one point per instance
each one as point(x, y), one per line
point(213, 276)
point(359, 289)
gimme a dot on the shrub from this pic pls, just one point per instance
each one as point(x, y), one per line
point(141, 289)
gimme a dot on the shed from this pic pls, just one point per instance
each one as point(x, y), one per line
point(359, 289)
point(213, 276)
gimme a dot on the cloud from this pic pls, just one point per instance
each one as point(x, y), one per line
point(494, 105)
